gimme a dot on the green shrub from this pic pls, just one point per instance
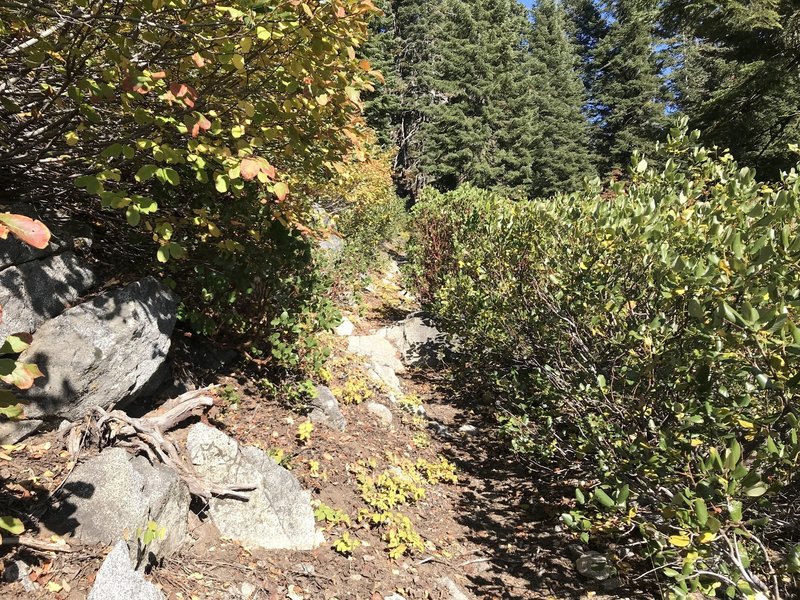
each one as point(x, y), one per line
point(646, 332)
point(367, 213)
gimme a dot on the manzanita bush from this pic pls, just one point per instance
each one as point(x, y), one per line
point(645, 336)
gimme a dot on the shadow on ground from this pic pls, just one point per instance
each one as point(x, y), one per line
point(511, 509)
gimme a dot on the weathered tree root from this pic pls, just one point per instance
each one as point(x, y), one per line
point(146, 434)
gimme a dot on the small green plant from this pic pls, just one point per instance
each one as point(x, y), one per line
point(398, 531)
point(345, 544)
point(421, 439)
point(304, 430)
point(145, 536)
point(410, 402)
point(356, 389)
point(280, 456)
point(391, 488)
point(435, 472)
point(150, 533)
point(230, 395)
point(331, 516)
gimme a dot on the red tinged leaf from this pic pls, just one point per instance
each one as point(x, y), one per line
point(20, 375)
point(198, 60)
point(340, 12)
point(158, 75)
point(249, 168)
point(32, 232)
point(202, 124)
point(185, 92)
point(129, 85)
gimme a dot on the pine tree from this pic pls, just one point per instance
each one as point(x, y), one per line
point(587, 27)
point(629, 92)
point(738, 77)
point(562, 157)
point(404, 47)
point(382, 108)
point(455, 130)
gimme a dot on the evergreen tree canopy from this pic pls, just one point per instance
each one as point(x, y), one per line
point(739, 75)
point(629, 91)
point(562, 158)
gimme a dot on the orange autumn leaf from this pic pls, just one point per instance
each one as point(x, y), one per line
point(32, 232)
point(202, 124)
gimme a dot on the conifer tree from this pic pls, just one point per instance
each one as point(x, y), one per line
point(587, 27)
point(738, 77)
point(629, 92)
point(562, 157)
point(485, 128)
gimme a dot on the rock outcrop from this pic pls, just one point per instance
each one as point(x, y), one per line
point(278, 514)
point(114, 495)
point(101, 352)
point(38, 290)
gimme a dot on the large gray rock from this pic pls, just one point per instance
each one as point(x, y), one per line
point(384, 360)
point(418, 340)
point(325, 410)
point(378, 348)
point(101, 352)
point(12, 432)
point(117, 580)
point(278, 514)
point(114, 495)
point(39, 290)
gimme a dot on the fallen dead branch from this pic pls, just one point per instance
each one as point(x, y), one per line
point(146, 434)
point(35, 544)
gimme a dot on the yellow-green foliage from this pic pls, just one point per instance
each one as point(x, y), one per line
point(409, 402)
point(356, 389)
point(331, 516)
point(345, 544)
point(398, 531)
point(390, 488)
point(401, 484)
point(435, 472)
point(646, 331)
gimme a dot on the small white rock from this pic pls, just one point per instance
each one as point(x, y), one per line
point(345, 328)
point(247, 589)
point(380, 411)
point(468, 429)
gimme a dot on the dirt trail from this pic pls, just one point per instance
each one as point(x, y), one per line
point(491, 535)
